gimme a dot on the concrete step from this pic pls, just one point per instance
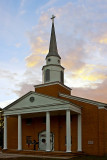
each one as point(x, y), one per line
point(43, 153)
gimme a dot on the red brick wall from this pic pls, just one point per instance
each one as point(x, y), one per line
point(58, 127)
point(31, 130)
point(101, 131)
point(90, 129)
point(52, 90)
point(12, 132)
point(38, 126)
point(105, 131)
point(74, 131)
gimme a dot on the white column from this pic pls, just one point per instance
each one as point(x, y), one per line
point(79, 134)
point(19, 133)
point(47, 131)
point(68, 131)
point(5, 132)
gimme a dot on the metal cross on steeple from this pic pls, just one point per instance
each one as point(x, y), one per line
point(53, 44)
point(53, 18)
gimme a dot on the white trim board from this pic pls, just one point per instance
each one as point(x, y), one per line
point(100, 104)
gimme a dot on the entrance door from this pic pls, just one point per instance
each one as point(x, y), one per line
point(42, 141)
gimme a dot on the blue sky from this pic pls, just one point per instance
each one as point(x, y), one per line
point(81, 33)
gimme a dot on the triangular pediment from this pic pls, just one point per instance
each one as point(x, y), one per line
point(34, 102)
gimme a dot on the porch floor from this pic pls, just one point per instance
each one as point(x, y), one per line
point(53, 154)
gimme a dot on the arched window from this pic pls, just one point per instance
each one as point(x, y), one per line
point(62, 77)
point(47, 75)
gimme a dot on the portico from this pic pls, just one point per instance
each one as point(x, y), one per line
point(62, 109)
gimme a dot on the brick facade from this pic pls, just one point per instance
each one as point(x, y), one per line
point(94, 126)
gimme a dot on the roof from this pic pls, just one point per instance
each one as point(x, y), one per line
point(100, 104)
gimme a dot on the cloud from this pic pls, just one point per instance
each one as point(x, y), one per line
point(24, 88)
point(103, 40)
point(91, 73)
point(32, 60)
point(31, 77)
point(38, 40)
point(98, 94)
point(7, 74)
point(46, 5)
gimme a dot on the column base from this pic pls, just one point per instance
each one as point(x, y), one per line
point(79, 150)
point(5, 149)
point(68, 151)
point(48, 150)
point(19, 149)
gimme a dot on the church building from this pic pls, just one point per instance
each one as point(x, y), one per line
point(54, 119)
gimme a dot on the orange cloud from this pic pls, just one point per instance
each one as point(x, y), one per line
point(38, 49)
point(98, 94)
point(103, 40)
point(88, 72)
point(33, 60)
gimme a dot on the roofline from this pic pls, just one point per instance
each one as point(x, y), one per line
point(83, 100)
point(51, 83)
point(17, 100)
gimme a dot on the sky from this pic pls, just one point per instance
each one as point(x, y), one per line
point(81, 34)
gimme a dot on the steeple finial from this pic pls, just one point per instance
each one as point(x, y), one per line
point(53, 45)
point(53, 18)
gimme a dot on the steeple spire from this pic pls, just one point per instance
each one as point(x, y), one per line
point(53, 71)
point(53, 45)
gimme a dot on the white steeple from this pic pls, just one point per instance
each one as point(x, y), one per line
point(53, 71)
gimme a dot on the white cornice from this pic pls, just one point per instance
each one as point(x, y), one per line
point(43, 108)
point(101, 107)
point(52, 65)
point(99, 104)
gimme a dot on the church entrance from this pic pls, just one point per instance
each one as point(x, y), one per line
point(42, 141)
